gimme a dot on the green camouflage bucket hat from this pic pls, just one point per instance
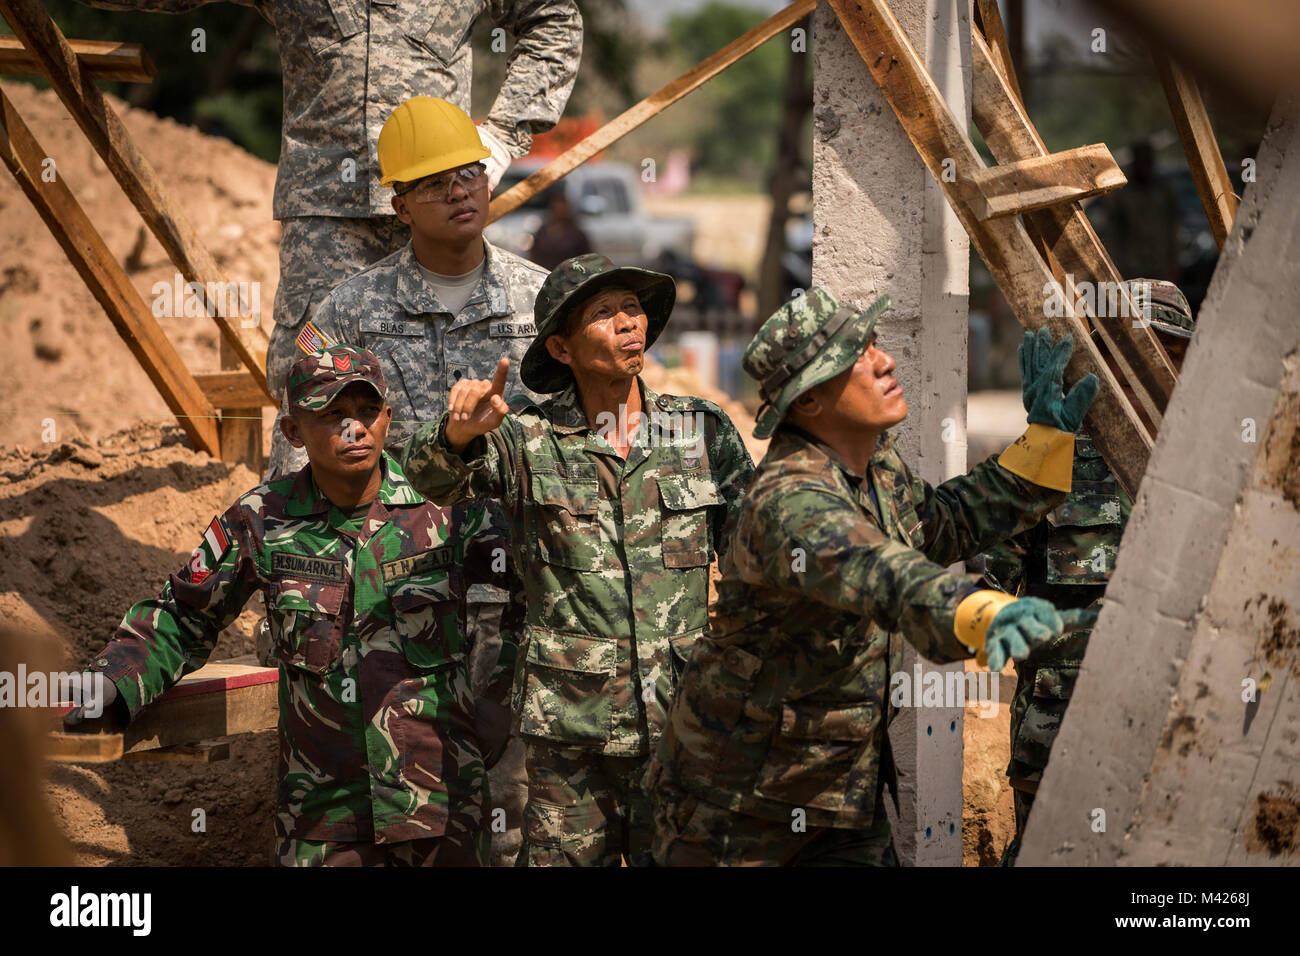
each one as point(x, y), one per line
point(808, 340)
point(572, 283)
point(1170, 312)
point(316, 379)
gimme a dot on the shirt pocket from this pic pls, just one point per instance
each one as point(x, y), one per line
point(1083, 538)
point(686, 501)
point(440, 26)
point(310, 625)
point(819, 756)
point(567, 532)
point(327, 22)
point(427, 619)
point(566, 686)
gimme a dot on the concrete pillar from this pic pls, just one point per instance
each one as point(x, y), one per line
point(1181, 743)
point(882, 225)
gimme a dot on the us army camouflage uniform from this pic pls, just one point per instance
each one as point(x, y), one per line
point(1067, 559)
point(615, 557)
point(377, 739)
point(424, 350)
point(775, 750)
point(347, 64)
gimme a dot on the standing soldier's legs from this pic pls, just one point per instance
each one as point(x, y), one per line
point(583, 809)
point(316, 254)
point(290, 852)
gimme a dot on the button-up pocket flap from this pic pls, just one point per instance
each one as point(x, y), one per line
point(417, 592)
point(1055, 682)
point(688, 492)
point(308, 596)
point(1086, 510)
point(810, 721)
point(439, 25)
point(578, 496)
point(570, 652)
point(740, 662)
point(326, 22)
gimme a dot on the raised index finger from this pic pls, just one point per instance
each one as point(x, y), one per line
point(499, 379)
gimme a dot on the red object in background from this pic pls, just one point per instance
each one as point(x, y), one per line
point(568, 132)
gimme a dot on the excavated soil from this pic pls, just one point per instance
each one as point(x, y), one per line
point(101, 496)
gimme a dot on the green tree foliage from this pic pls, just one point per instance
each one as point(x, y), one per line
point(732, 123)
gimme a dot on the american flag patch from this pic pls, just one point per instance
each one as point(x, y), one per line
point(311, 340)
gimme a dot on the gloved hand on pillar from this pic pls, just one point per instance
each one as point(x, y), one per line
point(998, 626)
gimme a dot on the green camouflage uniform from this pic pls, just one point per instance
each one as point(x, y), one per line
point(391, 310)
point(615, 558)
point(377, 741)
point(1067, 559)
point(775, 750)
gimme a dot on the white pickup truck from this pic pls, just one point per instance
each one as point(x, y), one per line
point(606, 197)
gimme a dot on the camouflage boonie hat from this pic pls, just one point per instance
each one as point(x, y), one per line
point(808, 340)
point(1170, 311)
point(316, 379)
point(573, 282)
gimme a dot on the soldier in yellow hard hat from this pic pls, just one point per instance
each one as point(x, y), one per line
point(446, 307)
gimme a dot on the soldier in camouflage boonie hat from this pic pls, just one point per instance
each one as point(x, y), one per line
point(572, 283)
point(316, 379)
point(1169, 313)
point(807, 341)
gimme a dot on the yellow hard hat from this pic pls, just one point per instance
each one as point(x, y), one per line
point(426, 135)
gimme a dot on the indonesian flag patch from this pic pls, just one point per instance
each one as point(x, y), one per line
point(311, 340)
point(209, 554)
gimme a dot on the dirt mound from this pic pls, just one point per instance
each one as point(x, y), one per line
point(71, 374)
point(86, 531)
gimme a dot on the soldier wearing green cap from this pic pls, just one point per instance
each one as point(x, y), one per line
point(364, 582)
point(775, 750)
point(1067, 558)
point(618, 501)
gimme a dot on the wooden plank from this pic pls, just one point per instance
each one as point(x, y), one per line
point(83, 748)
point(235, 389)
point(651, 106)
point(1011, 189)
point(1213, 184)
point(989, 20)
point(105, 131)
point(107, 280)
point(241, 423)
point(214, 701)
point(1066, 232)
point(205, 751)
point(100, 60)
point(1006, 248)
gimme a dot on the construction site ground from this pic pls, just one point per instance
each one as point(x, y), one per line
point(101, 497)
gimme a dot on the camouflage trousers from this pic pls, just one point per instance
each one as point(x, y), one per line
point(584, 809)
point(692, 832)
point(1024, 802)
point(507, 778)
point(463, 848)
point(316, 254)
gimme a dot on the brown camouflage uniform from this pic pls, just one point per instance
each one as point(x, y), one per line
point(777, 737)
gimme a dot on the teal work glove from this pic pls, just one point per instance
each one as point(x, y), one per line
point(1024, 624)
point(1042, 370)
